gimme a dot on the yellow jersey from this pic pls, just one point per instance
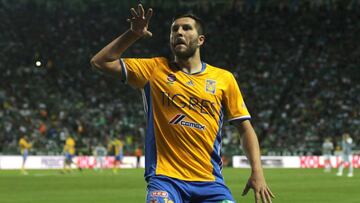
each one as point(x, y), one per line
point(69, 146)
point(184, 116)
point(118, 147)
point(24, 146)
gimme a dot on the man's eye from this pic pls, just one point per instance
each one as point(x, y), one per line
point(186, 27)
point(175, 28)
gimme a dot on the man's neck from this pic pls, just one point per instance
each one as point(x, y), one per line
point(190, 65)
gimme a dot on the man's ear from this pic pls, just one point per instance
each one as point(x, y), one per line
point(201, 40)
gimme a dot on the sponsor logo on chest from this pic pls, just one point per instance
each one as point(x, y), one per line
point(179, 120)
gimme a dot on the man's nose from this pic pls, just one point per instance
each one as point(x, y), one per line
point(180, 31)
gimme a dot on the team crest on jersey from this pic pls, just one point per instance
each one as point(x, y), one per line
point(210, 86)
point(179, 120)
point(171, 78)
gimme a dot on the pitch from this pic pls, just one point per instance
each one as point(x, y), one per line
point(289, 185)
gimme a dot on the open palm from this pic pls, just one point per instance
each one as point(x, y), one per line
point(139, 21)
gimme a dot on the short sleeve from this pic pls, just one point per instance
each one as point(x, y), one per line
point(137, 71)
point(234, 102)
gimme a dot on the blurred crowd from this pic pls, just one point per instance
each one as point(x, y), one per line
point(296, 64)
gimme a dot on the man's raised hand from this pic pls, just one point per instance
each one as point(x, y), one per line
point(139, 22)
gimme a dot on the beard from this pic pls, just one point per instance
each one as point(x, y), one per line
point(188, 52)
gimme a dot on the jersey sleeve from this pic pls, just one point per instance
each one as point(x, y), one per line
point(234, 102)
point(137, 71)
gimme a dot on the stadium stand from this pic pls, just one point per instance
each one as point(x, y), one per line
point(297, 63)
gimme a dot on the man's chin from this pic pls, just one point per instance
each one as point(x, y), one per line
point(182, 54)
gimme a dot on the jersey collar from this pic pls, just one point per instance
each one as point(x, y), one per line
point(203, 68)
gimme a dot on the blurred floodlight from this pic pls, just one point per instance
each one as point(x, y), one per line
point(38, 63)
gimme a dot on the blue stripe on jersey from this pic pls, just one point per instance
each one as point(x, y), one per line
point(123, 71)
point(150, 144)
point(216, 160)
point(203, 67)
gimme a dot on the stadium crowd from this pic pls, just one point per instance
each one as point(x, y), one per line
point(298, 68)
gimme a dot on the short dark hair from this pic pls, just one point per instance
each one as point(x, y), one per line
point(198, 22)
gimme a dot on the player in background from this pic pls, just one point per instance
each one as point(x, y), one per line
point(100, 153)
point(185, 101)
point(69, 152)
point(327, 148)
point(346, 146)
point(117, 147)
point(24, 146)
point(138, 154)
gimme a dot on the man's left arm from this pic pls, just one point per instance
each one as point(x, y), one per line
point(250, 145)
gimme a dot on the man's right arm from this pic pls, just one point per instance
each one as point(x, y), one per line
point(107, 60)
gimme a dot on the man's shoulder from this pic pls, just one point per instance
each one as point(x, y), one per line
point(222, 72)
point(160, 58)
point(155, 58)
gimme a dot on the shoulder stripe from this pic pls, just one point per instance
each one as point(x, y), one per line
point(124, 75)
point(242, 118)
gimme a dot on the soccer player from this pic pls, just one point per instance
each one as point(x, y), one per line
point(99, 152)
point(186, 100)
point(346, 146)
point(24, 146)
point(327, 150)
point(69, 151)
point(118, 147)
point(138, 154)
